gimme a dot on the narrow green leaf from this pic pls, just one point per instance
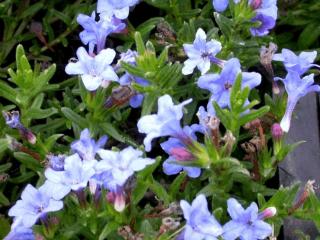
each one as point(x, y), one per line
point(254, 114)
point(139, 191)
point(139, 43)
point(75, 117)
point(41, 113)
point(8, 92)
point(28, 161)
point(108, 228)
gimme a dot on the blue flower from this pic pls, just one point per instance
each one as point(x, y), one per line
point(221, 5)
point(220, 84)
point(12, 119)
point(96, 32)
point(121, 165)
point(165, 123)
point(266, 15)
point(246, 223)
point(116, 168)
point(120, 9)
point(201, 224)
point(20, 233)
point(299, 64)
point(56, 162)
point(75, 176)
point(34, 204)
point(178, 151)
point(296, 89)
point(201, 53)
point(87, 147)
point(95, 71)
point(127, 79)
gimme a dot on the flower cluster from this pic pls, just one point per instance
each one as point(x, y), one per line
point(73, 174)
point(296, 85)
point(245, 223)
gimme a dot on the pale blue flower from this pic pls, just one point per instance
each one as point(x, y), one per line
point(75, 176)
point(165, 123)
point(95, 32)
point(56, 162)
point(116, 168)
point(246, 224)
point(296, 89)
point(20, 232)
point(220, 84)
point(221, 5)
point(200, 223)
point(266, 15)
point(12, 119)
point(34, 204)
point(177, 150)
point(120, 9)
point(127, 79)
point(300, 64)
point(120, 165)
point(95, 71)
point(87, 147)
point(201, 53)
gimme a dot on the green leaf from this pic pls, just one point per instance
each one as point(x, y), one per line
point(139, 43)
point(41, 113)
point(4, 201)
point(146, 27)
point(176, 184)
point(148, 103)
point(139, 191)
point(5, 167)
point(28, 161)
point(110, 130)
point(160, 191)
point(74, 117)
point(3, 144)
point(108, 228)
point(225, 24)
point(254, 114)
point(8, 92)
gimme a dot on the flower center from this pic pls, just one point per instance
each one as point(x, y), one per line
point(227, 85)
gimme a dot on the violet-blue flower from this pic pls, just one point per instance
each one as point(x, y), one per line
point(115, 168)
point(178, 151)
point(201, 53)
point(220, 84)
point(34, 204)
point(200, 223)
point(120, 9)
point(96, 32)
point(130, 57)
point(298, 63)
point(95, 71)
point(75, 176)
point(12, 119)
point(165, 123)
point(247, 223)
point(20, 232)
point(296, 88)
point(266, 16)
point(56, 162)
point(87, 147)
point(221, 5)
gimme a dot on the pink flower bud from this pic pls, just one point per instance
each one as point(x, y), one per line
point(255, 4)
point(276, 131)
point(181, 154)
point(268, 213)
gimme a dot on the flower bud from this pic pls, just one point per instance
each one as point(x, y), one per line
point(181, 154)
point(268, 213)
point(276, 131)
point(255, 4)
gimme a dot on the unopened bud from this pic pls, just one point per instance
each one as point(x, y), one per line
point(276, 131)
point(181, 154)
point(92, 186)
point(28, 135)
point(255, 4)
point(229, 140)
point(267, 213)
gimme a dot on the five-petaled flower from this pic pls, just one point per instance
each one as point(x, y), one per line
point(19, 231)
point(87, 147)
point(95, 32)
point(220, 84)
point(75, 176)
point(119, 9)
point(201, 53)
point(165, 123)
point(177, 150)
point(115, 168)
point(95, 71)
point(201, 224)
point(296, 88)
point(34, 204)
point(300, 63)
point(247, 223)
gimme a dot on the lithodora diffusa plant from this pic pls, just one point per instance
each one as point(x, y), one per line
point(163, 131)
